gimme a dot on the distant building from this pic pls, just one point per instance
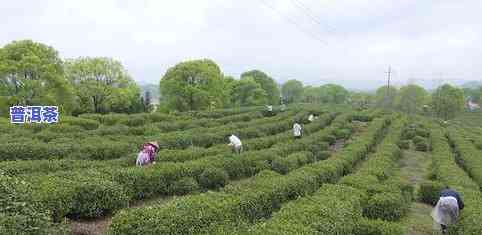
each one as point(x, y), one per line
point(472, 106)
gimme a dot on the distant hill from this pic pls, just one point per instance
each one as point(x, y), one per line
point(472, 84)
point(154, 89)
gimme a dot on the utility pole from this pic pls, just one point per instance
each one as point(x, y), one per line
point(387, 95)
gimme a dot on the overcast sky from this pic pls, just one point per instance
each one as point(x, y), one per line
point(350, 42)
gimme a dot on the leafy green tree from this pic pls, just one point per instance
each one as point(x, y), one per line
point(386, 97)
point(334, 94)
point(247, 92)
point(31, 74)
point(193, 85)
point(267, 83)
point(311, 94)
point(473, 94)
point(127, 99)
point(447, 101)
point(292, 91)
point(102, 85)
point(411, 99)
point(361, 100)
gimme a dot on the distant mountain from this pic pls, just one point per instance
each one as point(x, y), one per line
point(472, 84)
point(153, 89)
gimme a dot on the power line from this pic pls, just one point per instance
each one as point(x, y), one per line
point(293, 22)
point(300, 5)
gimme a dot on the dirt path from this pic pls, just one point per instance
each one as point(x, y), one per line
point(415, 166)
point(99, 226)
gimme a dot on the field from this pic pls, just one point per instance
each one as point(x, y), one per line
point(353, 172)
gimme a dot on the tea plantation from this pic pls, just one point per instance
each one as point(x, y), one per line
point(347, 175)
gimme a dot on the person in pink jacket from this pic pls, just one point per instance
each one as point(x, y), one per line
point(147, 154)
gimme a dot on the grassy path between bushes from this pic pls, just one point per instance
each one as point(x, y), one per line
point(414, 167)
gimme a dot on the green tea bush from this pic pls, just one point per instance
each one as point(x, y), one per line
point(342, 133)
point(213, 178)
point(284, 165)
point(184, 186)
point(404, 144)
point(86, 124)
point(117, 129)
point(418, 139)
point(78, 195)
point(138, 120)
point(333, 209)
point(97, 198)
point(19, 214)
point(429, 192)
point(423, 146)
point(387, 206)
point(34, 150)
point(408, 134)
point(331, 139)
point(112, 119)
point(449, 173)
point(379, 227)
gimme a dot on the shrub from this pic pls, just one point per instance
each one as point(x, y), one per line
point(93, 199)
point(404, 144)
point(34, 150)
point(387, 206)
point(322, 155)
point(284, 165)
point(19, 214)
point(422, 146)
point(342, 133)
point(134, 121)
point(408, 134)
point(184, 186)
point(378, 227)
point(422, 132)
point(429, 192)
point(86, 124)
point(418, 139)
point(331, 139)
point(213, 178)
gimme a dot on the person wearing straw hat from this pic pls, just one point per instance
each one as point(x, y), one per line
point(147, 154)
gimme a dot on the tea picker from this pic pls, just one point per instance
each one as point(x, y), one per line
point(147, 154)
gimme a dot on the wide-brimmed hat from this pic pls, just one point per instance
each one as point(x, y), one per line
point(154, 144)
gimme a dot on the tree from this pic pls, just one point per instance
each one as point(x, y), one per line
point(31, 74)
point(292, 91)
point(473, 93)
point(192, 85)
point(266, 82)
point(248, 92)
point(102, 85)
point(447, 101)
point(412, 98)
point(386, 98)
point(334, 94)
point(147, 101)
point(311, 94)
point(361, 100)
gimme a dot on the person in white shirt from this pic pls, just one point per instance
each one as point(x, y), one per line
point(269, 108)
point(236, 144)
point(311, 117)
point(297, 130)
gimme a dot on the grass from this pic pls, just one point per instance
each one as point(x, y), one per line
point(414, 167)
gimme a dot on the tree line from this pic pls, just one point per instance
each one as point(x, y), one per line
point(32, 73)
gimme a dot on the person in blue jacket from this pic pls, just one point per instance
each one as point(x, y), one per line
point(447, 210)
